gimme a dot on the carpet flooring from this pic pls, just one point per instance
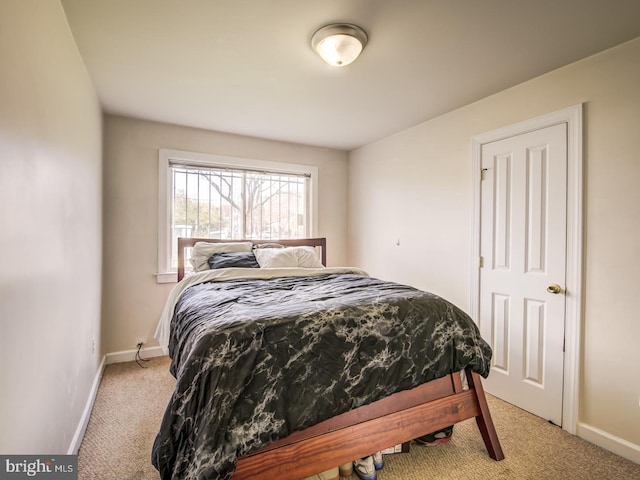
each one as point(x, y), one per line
point(131, 401)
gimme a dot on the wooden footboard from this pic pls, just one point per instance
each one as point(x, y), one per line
point(396, 419)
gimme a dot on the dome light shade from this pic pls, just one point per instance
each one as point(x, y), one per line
point(339, 44)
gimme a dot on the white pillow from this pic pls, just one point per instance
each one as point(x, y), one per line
point(308, 257)
point(203, 250)
point(296, 257)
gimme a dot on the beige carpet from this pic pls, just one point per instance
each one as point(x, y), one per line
point(131, 401)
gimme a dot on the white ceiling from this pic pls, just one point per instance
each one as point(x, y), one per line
point(246, 66)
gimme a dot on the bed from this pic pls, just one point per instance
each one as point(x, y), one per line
point(291, 394)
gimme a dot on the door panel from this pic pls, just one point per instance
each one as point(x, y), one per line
point(523, 248)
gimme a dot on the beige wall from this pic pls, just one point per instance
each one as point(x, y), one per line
point(429, 168)
point(51, 223)
point(133, 300)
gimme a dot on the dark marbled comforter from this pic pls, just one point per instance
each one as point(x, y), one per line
point(256, 360)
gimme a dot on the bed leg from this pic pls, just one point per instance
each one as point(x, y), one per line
point(484, 421)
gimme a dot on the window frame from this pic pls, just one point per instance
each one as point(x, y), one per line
point(164, 273)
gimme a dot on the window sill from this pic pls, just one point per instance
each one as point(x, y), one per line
point(167, 277)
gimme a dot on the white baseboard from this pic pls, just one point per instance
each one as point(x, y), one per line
point(130, 355)
point(108, 359)
point(609, 442)
point(84, 420)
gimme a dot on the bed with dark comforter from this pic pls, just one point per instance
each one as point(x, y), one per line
point(260, 354)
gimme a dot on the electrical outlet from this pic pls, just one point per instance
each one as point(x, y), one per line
point(93, 346)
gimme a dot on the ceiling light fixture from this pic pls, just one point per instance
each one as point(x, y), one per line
point(339, 44)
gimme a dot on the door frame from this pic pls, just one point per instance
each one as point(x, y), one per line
point(572, 117)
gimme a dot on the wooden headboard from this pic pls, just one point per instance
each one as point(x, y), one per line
point(298, 242)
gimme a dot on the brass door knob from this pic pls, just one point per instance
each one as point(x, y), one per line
point(555, 288)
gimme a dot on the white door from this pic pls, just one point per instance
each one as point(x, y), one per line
point(523, 235)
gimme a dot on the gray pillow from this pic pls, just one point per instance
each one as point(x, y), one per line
point(233, 260)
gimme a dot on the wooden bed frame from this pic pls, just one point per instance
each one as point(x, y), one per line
point(395, 419)
point(300, 242)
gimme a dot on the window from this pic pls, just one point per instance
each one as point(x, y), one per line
point(212, 196)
